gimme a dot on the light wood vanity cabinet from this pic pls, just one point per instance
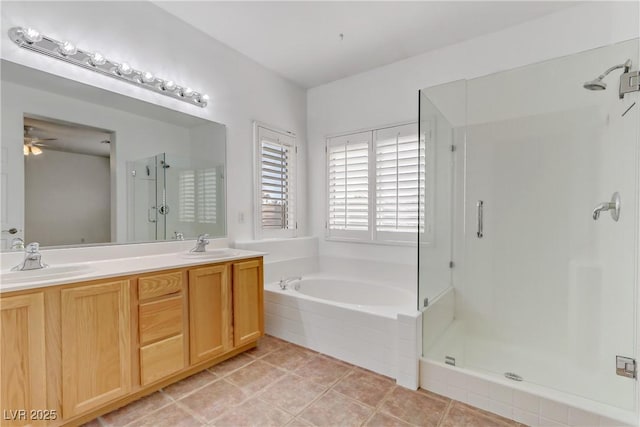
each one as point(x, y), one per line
point(209, 312)
point(85, 349)
point(248, 306)
point(96, 340)
point(22, 358)
point(161, 325)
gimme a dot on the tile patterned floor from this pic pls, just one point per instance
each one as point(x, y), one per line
point(281, 384)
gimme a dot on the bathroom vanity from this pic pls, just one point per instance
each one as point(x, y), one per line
point(74, 350)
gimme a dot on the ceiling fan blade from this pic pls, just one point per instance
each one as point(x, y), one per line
point(39, 140)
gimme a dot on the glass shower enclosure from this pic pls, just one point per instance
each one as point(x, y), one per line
point(147, 204)
point(529, 170)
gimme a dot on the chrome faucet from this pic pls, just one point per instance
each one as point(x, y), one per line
point(285, 281)
point(32, 259)
point(177, 235)
point(17, 243)
point(201, 244)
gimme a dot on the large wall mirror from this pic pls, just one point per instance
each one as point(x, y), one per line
point(85, 166)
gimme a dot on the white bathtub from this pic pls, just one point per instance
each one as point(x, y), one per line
point(363, 296)
point(370, 325)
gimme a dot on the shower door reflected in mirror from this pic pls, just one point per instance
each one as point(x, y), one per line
point(147, 208)
point(173, 197)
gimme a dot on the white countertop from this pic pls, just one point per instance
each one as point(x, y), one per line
point(112, 267)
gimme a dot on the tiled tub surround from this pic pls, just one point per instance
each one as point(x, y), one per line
point(524, 402)
point(281, 384)
point(379, 338)
point(382, 338)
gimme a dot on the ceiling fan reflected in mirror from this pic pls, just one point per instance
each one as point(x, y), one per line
point(32, 144)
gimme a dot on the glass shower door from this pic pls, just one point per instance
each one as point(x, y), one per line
point(548, 292)
point(147, 208)
point(441, 126)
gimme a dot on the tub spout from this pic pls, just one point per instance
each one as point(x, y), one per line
point(601, 207)
point(613, 206)
point(284, 282)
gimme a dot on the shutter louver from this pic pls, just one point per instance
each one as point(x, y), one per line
point(399, 184)
point(348, 186)
point(207, 196)
point(186, 196)
point(276, 176)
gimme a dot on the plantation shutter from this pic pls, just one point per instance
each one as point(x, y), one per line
point(186, 196)
point(277, 155)
point(207, 195)
point(398, 182)
point(348, 185)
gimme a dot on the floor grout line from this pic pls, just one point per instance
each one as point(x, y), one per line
point(445, 414)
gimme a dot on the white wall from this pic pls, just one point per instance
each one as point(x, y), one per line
point(389, 94)
point(67, 199)
point(139, 32)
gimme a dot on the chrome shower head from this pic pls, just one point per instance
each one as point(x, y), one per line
point(595, 84)
point(598, 84)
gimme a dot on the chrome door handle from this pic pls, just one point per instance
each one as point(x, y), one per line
point(149, 217)
point(480, 206)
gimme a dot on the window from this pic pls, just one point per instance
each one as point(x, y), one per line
point(197, 198)
point(276, 154)
point(374, 185)
point(398, 157)
point(187, 196)
point(206, 195)
point(348, 186)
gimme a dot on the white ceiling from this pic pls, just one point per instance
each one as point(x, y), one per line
point(69, 138)
point(300, 40)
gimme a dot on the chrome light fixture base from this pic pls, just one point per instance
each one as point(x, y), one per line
point(30, 39)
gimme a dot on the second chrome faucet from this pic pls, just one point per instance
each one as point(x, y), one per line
point(201, 243)
point(32, 259)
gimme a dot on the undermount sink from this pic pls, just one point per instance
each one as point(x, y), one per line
point(211, 253)
point(48, 273)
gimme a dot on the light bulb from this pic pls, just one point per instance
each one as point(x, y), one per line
point(168, 85)
point(31, 35)
point(124, 69)
point(147, 77)
point(25, 150)
point(96, 58)
point(68, 49)
point(187, 91)
point(204, 98)
point(35, 150)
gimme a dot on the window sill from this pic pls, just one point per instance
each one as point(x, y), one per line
point(371, 242)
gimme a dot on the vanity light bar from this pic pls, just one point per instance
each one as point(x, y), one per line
point(30, 39)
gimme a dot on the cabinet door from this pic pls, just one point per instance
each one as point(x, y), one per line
point(96, 340)
point(248, 305)
point(209, 315)
point(23, 366)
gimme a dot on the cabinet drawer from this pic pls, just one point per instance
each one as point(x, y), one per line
point(158, 285)
point(161, 359)
point(160, 319)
